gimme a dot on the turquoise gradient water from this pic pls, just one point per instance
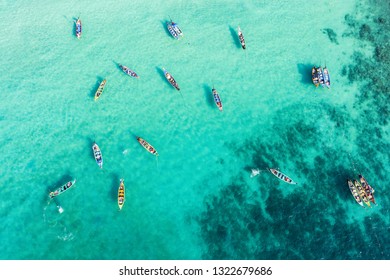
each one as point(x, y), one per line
point(197, 200)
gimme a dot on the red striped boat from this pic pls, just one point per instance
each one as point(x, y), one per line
point(217, 99)
point(282, 176)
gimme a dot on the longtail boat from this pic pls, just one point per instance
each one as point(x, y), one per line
point(320, 75)
point(100, 89)
point(217, 99)
point(128, 71)
point(314, 76)
point(282, 176)
point(177, 29)
point(97, 155)
point(78, 28)
point(362, 193)
point(147, 146)
point(62, 189)
point(241, 38)
point(170, 79)
point(121, 194)
point(367, 188)
point(326, 77)
point(354, 192)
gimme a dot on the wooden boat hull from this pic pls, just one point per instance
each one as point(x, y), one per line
point(355, 193)
point(171, 31)
point(368, 189)
point(174, 30)
point(314, 76)
point(147, 146)
point(170, 79)
point(100, 89)
point(326, 77)
point(241, 38)
point(121, 194)
point(97, 155)
point(281, 176)
point(362, 193)
point(129, 72)
point(78, 28)
point(320, 76)
point(62, 189)
point(217, 99)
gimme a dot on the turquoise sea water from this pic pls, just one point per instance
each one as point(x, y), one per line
point(197, 201)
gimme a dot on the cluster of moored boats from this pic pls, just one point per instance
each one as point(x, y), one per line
point(361, 191)
point(320, 76)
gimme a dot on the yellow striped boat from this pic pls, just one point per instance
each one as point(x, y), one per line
point(362, 193)
point(100, 89)
point(121, 194)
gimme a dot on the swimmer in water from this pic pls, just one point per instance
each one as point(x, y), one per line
point(255, 172)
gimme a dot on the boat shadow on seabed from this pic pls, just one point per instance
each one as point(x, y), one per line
point(305, 71)
point(161, 73)
point(113, 193)
point(208, 95)
point(64, 178)
point(164, 24)
point(95, 86)
point(234, 34)
point(255, 171)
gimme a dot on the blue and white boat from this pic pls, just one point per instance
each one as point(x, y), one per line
point(97, 155)
point(128, 71)
point(174, 30)
point(78, 28)
point(320, 75)
point(326, 77)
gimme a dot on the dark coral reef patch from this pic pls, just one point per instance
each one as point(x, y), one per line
point(317, 219)
point(331, 35)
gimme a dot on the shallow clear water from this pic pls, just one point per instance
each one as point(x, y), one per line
point(197, 200)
